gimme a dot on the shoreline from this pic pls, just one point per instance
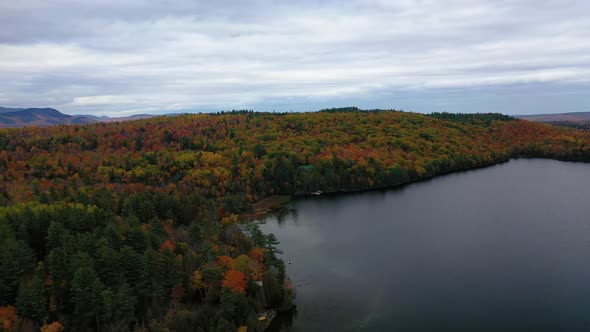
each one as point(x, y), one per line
point(270, 204)
point(264, 207)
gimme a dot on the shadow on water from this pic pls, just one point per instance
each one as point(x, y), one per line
point(283, 321)
point(283, 212)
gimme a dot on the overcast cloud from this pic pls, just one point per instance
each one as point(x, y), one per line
point(119, 57)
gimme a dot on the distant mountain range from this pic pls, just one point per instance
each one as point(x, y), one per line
point(23, 117)
point(558, 117)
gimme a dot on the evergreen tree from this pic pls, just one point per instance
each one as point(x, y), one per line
point(113, 236)
point(55, 235)
point(108, 264)
point(16, 261)
point(124, 303)
point(31, 302)
point(136, 239)
point(131, 265)
point(87, 297)
point(224, 325)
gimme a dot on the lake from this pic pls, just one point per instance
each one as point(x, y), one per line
point(504, 248)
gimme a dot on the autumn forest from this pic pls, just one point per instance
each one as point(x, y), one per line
point(139, 225)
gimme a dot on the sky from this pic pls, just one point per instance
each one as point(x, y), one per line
point(116, 58)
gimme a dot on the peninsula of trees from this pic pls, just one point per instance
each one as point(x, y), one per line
point(134, 225)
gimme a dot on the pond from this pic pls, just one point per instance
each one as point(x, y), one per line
point(504, 248)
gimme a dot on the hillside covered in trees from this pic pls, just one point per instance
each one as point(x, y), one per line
point(134, 225)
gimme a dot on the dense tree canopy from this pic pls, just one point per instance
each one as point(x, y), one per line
point(123, 226)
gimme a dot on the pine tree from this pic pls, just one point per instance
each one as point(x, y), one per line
point(223, 325)
point(16, 260)
point(55, 235)
point(31, 302)
point(131, 265)
point(124, 302)
point(108, 264)
point(136, 239)
point(86, 293)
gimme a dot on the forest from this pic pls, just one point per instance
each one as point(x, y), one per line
point(134, 226)
point(577, 125)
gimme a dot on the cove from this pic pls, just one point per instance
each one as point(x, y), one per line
point(504, 248)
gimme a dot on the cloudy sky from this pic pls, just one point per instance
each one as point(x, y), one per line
point(118, 57)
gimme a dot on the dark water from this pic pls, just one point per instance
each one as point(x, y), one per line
point(505, 248)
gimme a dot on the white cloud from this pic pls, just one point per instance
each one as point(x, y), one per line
point(109, 57)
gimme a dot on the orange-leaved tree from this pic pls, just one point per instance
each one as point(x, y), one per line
point(53, 327)
point(235, 280)
point(7, 317)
